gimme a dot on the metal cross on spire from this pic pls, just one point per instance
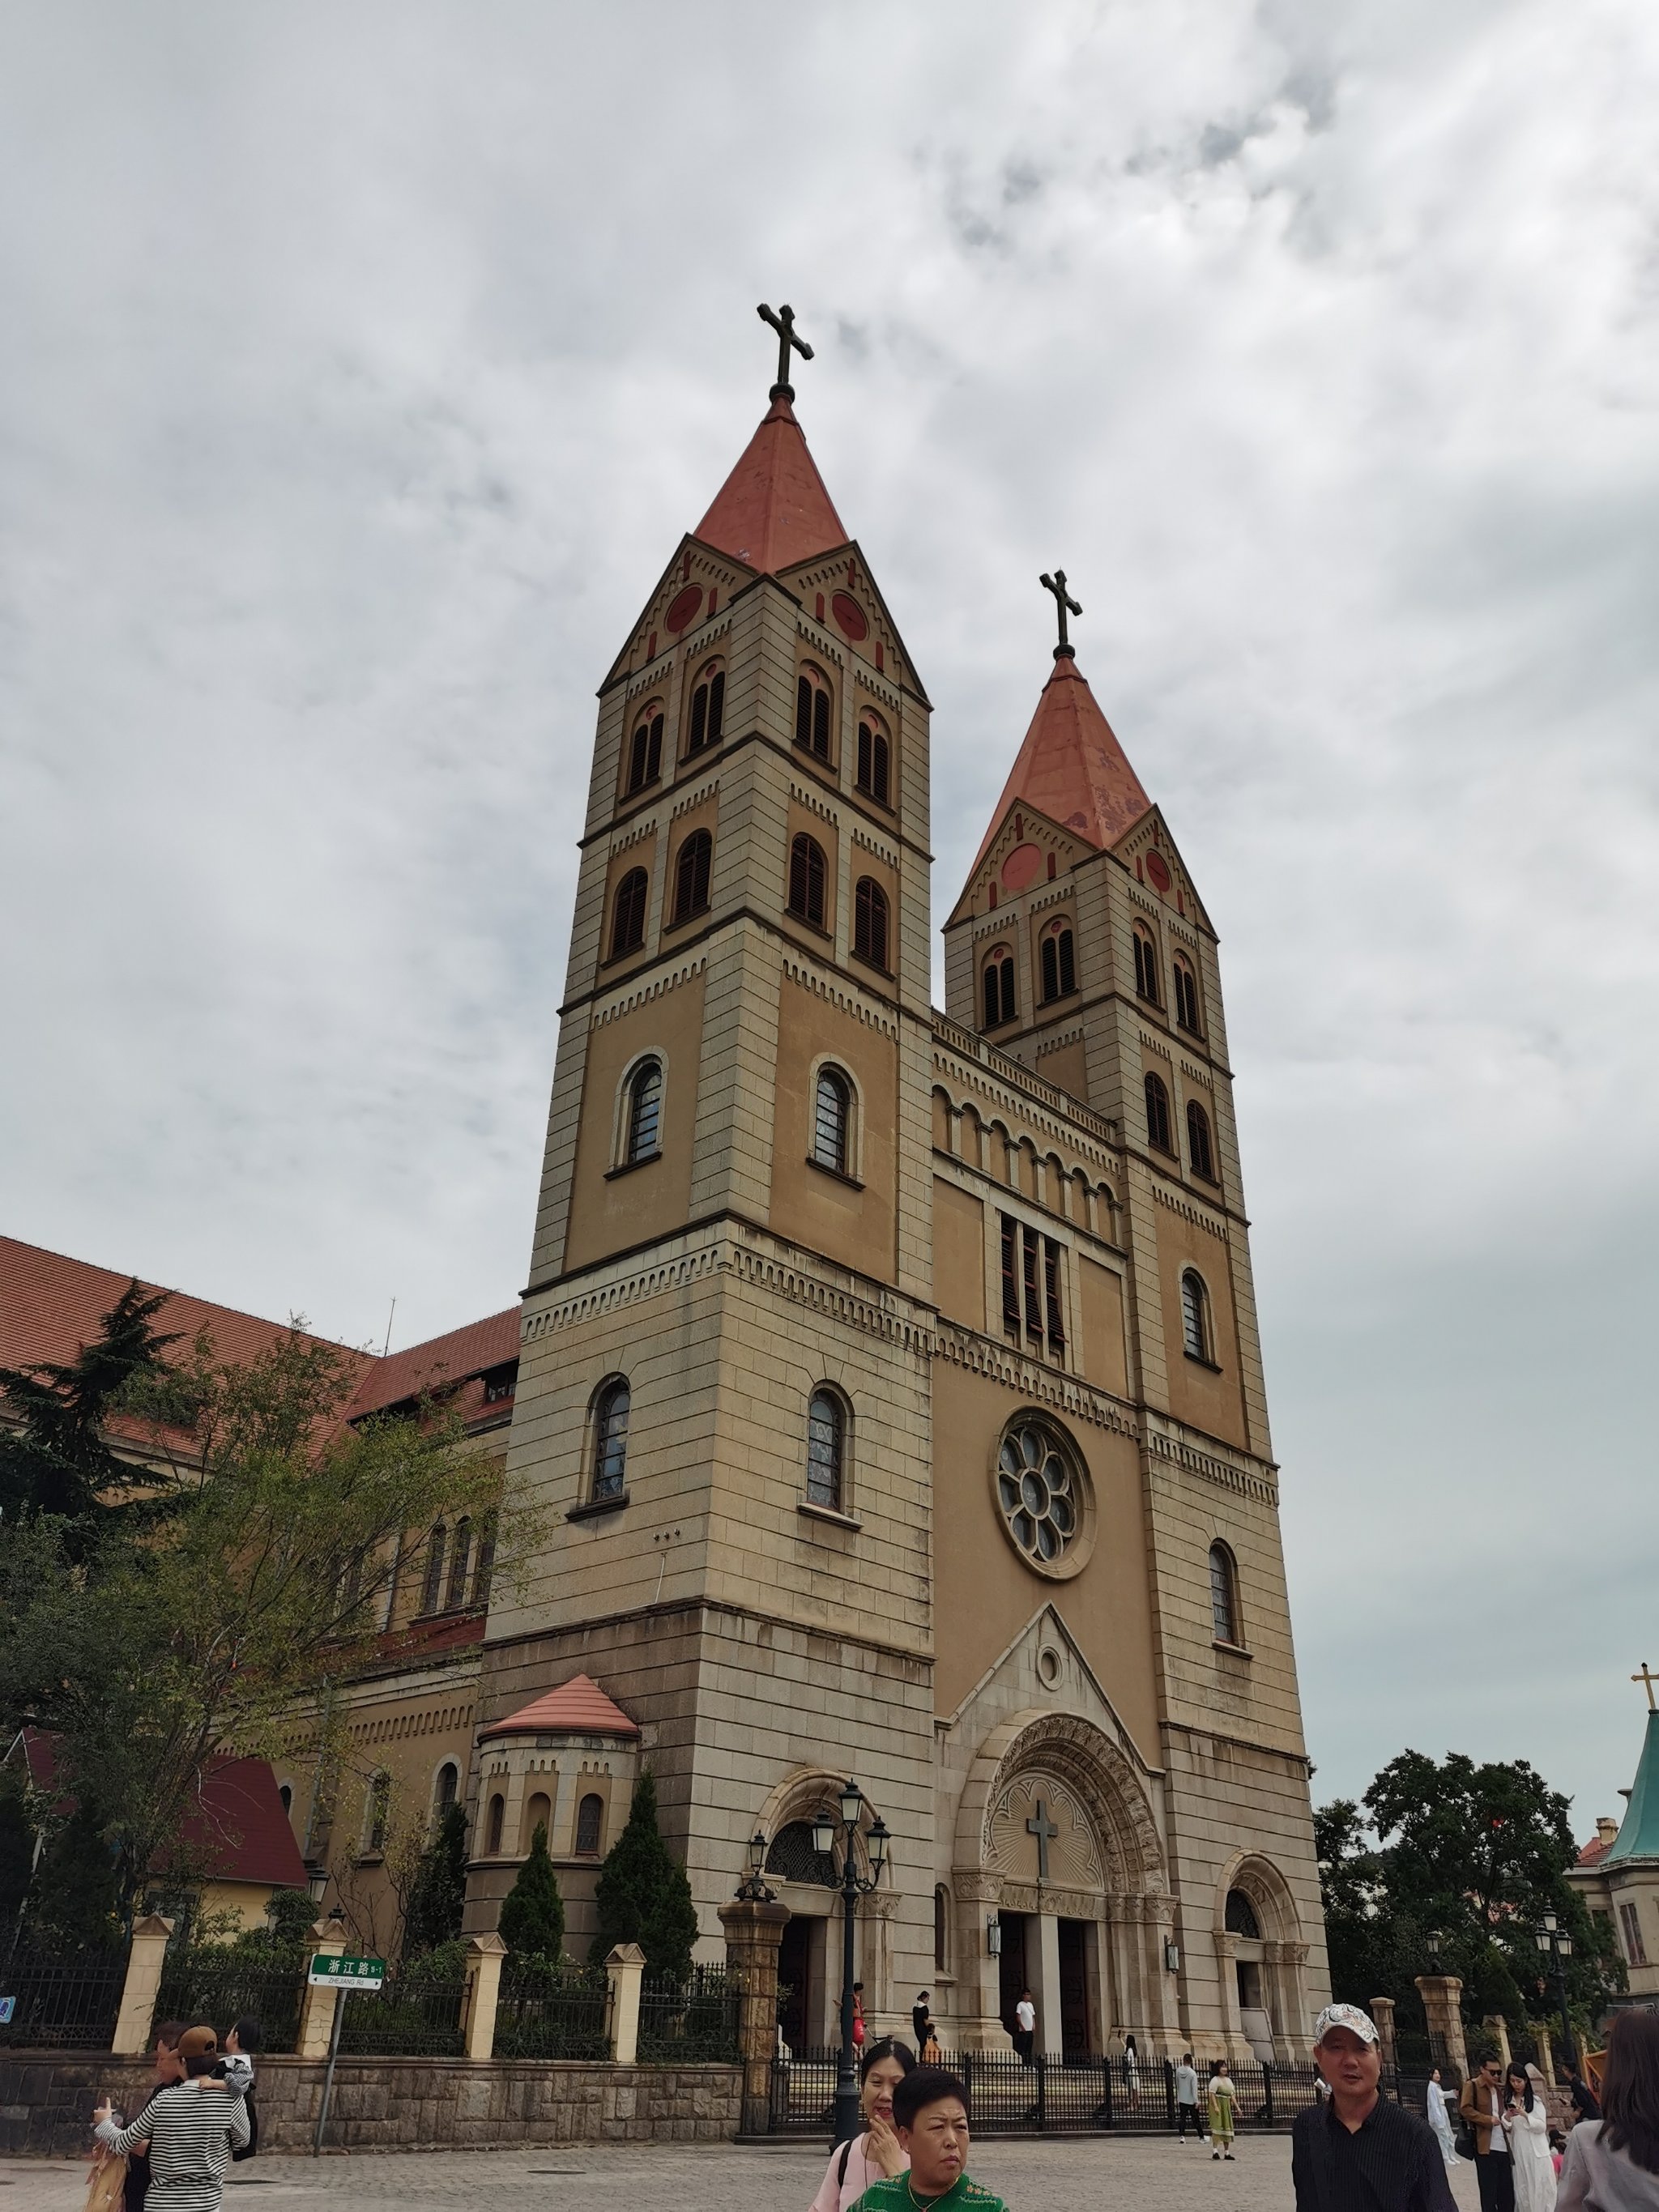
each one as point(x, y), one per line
point(784, 324)
point(1056, 584)
point(1648, 1678)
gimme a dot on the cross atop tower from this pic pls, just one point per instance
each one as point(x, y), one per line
point(1648, 1678)
point(784, 324)
point(1056, 584)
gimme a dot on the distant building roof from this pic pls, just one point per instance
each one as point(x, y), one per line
point(578, 1707)
point(470, 1350)
point(1638, 1832)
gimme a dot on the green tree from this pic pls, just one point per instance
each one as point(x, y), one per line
point(73, 1897)
point(438, 1890)
point(642, 1894)
point(532, 1911)
point(16, 1853)
point(58, 1459)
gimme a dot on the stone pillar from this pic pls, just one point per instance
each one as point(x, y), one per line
point(753, 1932)
point(1381, 2011)
point(485, 1956)
point(1049, 2029)
point(317, 2007)
point(134, 2021)
point(1162, 2009)
point(1546, 2054)
point(979, 1980)
point(624, 1970)
point(1440, 1994)
point(1498, 2027)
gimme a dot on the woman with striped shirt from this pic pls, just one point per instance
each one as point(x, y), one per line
point(190, 2128)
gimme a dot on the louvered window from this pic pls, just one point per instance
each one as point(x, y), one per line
point(691, 871)
point(1146, 968)
point(998, 990)
point(1195, 1317)
point(1185, 997)
point(875, 759)
point(807, 876)
point(1197, 1141)
point(832, 1112)
point(812, 715)
point(627, 917)
point(1157, 1113)
point(870, 922)
point(645, 755)
point(644, 1113)
point(708, 711)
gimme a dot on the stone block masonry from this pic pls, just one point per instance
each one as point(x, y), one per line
point(392, 2103)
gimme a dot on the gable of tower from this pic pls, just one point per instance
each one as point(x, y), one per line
point(836, 591)
point(1148, 851)
point(1024, 852)
point(693, 591)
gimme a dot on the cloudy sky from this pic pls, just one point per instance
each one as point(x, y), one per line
point(363, 366)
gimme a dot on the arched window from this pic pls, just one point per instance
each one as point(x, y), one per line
point(432, 1587)
point(1197, 1141)
point(812, 711)
point(285, 1791)
point(642, 1133)
point(708, 709)
point(1185, 995)
point(486, 1564)
point(870, 922)
point(645, 750)
point(1224, 1595)
point(826, 1438)
point(590, 1823)
point(999, 988)
point(875, 759)
point(493, 1826)
point(610, 1440)
point(460, 1559)
point(691, 876)
point(1157, 1113)
point(807, 877)
point(447, 1787)
point(1195, 1315)
point(377, 1812)
point(1146, 965)
point(627, 915)
point(537, 1814)
point(1239, 1915)
point(941, 1929)
point(1059, 961)
point(832, 1115)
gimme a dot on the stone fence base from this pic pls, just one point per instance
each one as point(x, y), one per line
point(46, 2097)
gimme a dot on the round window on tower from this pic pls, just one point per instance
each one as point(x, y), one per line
point(1043, 1496)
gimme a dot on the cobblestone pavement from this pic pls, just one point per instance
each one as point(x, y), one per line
point(1138, 2173)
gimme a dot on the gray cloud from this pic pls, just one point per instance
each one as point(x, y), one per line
point(364, 366)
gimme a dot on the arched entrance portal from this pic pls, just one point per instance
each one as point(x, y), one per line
point(1261, 1959)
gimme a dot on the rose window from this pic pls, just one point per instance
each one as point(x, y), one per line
point(1037, 1492)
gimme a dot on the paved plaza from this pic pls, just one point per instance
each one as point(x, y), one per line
point(1140, 2173)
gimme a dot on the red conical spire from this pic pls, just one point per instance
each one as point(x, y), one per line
point(1071, 767)
point(772, 510)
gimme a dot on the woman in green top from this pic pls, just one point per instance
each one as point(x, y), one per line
point(930, 2117)
point(1222, 2094)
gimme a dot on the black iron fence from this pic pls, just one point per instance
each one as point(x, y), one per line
point(689, 2023)
point(411, 2016)
point(1056, 2096)
point(62, 2001)
point(217, 1987)
point(553, 2012)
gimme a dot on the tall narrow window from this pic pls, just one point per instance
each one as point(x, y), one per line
point(1032, 1257)
point(432, 1587)
point(875, 760)
point(1186, 996)
point(941, 1929)
point(870, 922)
point(1064, 939)
point(831, 1114)
point(1223, 1595)
point(447, 1787)
point(812, 712)
point(1058, 963)
point(999, 988)
point(1157, 1113)
point(1195, 1317)
point(627, 915)
point(1052, 1299)
point(645, 753)
point(825, 1439)
point(707, 710)
point(642, 1138)
point(460, 1559)
point(691, 869)
point(1197, 1141)
point(493, 1826)
point(486, 1564)
point(807, 876)
point(1011, 1275)
point(590, 1819)
point(1635, 1950)
point(1146, 966)
point(377, 1812)
point(611, 1441)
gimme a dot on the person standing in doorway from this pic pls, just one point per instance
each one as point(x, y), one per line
point(1026, 2026)
point(1481, 2105)
point(1185, 2099)
point(919, 2017)
point(1360, 2151)
point(1222, 2094)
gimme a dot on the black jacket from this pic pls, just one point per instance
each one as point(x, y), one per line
point(1396, 2154)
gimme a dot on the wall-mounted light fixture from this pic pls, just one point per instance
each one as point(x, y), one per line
point(994, 1938)
point(1172, 1954)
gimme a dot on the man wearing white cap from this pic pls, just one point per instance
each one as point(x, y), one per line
point(1358, 2151)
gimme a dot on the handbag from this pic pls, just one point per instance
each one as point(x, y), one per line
point(1463, 2142)
point(106, 2184)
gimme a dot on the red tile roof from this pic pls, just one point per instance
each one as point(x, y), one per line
point(451, 1359)
point(1071, 767)
point(772, 510)
point(578, 1706)
point(1594, 1850)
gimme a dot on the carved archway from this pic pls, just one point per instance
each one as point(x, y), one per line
point(1094, 1768)
point(1268, 1892)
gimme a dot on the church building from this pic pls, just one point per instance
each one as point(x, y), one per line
point(887, 1384)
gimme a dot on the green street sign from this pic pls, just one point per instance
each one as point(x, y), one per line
point(332, 1970)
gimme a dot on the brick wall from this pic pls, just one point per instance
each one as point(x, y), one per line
point(394, 2104)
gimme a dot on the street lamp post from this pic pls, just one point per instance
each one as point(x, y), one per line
point(851, 1885)
point(1557, 1946)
